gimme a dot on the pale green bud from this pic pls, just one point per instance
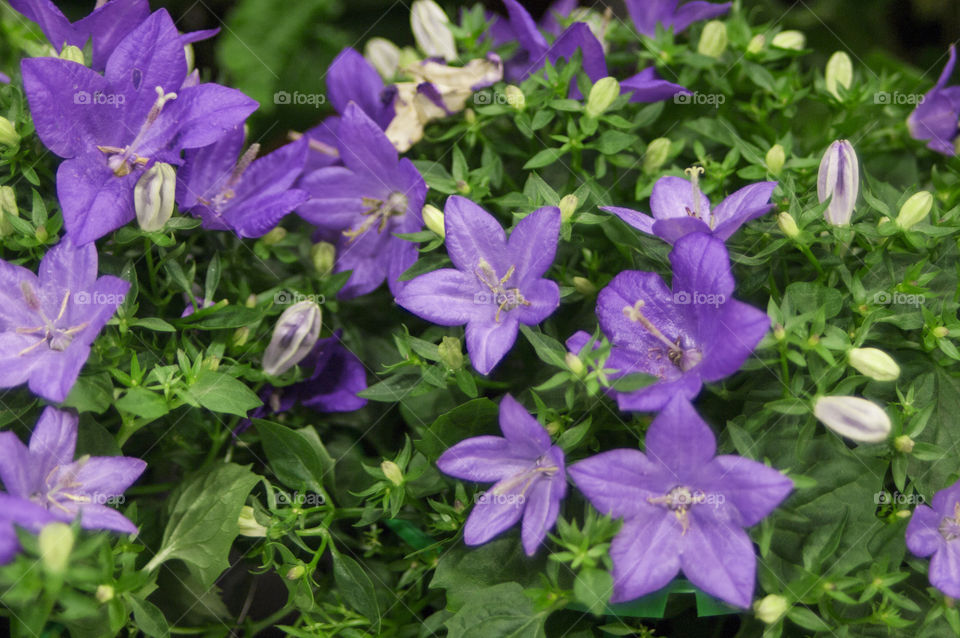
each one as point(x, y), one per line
point(153, 196)
point(294, 336)
point(788, 225)
point(874, 363)
point(575, 364)
point(384, 55)
point(240, 336)
point(296, 572)
point(42, 234)
point(839, 72)
point(433, 218)
point(72, 54)
point(770, 609)
point(713, 40)
point(8, 208)
point(248, 524)
point(584, 286)
point(275, 236)
point(105, 593)
point(756, 44)
point(431, 30)
point(656, 156)
point(568, 206)
point(451, 352)
point(790, 39)
point(940, 332)
point(853, 417)
point(779, 333)
point(602, 95)
point(904, 443)
point(8, 134)
point(915, 210)
point(515, 97)
point(775, 159)
point(393, 472)
point(56, 543)
point(323, 255)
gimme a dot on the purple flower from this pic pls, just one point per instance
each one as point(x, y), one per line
point(646, 14)
point(45, 484)
point(529, 475)
point(246, 195)
point(683, 508)
point(49, 321)
point(679, 208)
point(934, 531)
point(110, 127)
point(692, 334)
point(497, 283)
point(935, 118)
point(364, 203)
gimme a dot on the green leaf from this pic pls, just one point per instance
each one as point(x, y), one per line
point(473, 418)
point(547, 348)
point(544, 158)
point(464, 570)
point(612, 142)
point(292, 456)
point(220, 392)
point(502, 611)
point(356, 587)
point(150, 620)
point(91, 393)
point(143, 403)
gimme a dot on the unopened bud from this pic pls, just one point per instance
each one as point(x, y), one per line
point(295, 334)
point(431, 30)
point(940, 332)
point(874, 363)
point(251, 301)
point(296, 572)
point(568, 206)
point(602, 95)
point(770, 609)
point(275, 236)
point(408, 56)
point(575, 364)
point(853, 417)
point(713, 39)
point(839, 180)
point(463, 187)
point(56, 543)
point(393, 472)
point(914, 210)
point(41, 234)
point(756, 44)
point(839, 72)
point(240, 336)
point(384, 55)
point(323, 255)
point(105, 593)
point(657, 153)
point(451, 352)
point(790, 39)
point(72, 54)
point(775, 159)
point(153, 196)
point(433, 218)
point(8, 209)
point(788, 225)
point(248, 524)
point(8, 134)
point(584, 286)
point(515, 97)
point(903, 443)
point(779, 333)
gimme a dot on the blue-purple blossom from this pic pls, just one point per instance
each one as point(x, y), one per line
point(110, 127)
point(496, 285)
point(529, 475)
point(647, 14)
point(233, 191)
point(48, 321)
point(44, 484)
point(363, 204)
point(692, 334)
point(683, 508)
point(934, 531)
point(679, 208)
point(936, 116)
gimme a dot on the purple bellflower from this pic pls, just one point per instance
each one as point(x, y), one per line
point(529, 474)
point(646, 14)
point(44, 484)
point(683, 508)
point(692, 334)
point(935, 118)
point(496, 284)
point(679, 208)
point(362, 204)
point(48, 322)
point(934, 531)
point(110, 127)
point(246, 195)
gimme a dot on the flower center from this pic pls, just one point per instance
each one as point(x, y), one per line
point(694, 173)
point(61, 485)
point(506, 298)
point(379, 213)
point(541, 467)
point(58, 339)
point(679, 500)
point(950, 527)
point(683, 358)
point(122, 160)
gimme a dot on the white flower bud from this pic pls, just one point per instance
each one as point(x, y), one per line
point(713, 39)
point(393, 472)
point(658, 151)
point(56, 543)
point(295, 334)
point(914, 210)
point(756, 44)
point(788, 225)
point(568, 206)
point(433, 218)
point(874, 363)
point(794, 40)
point(575, 364)
point(105, 593)
point(770, 609)
point(584, 286)
point(8, 134)
point(839, 180)
point(602, 95)
point(855, 418)
point(248, 524)
point(384, 55)
point(515, 97)
point(775, 159)
point(839, 72)
point(153, 196)
point(431, 30)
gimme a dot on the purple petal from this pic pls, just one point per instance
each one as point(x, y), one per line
point(51, 21)
point(13, 310)
point(618, 482)
point(579, 36)
point(646, 555)
point(923, 531)
point(350, 78)
point(653, 397)
point(205, 169)
point(94, 200)
point(729, 338)
point(444, 297)
point(53, 375)
point(754, 489)
point(525, 30)
point(670, 230)
point(543, 295)
point(540, 511)
point(200, 115)
point(402, 256)
point(71, 267)
point(945, 570)
point(695, 11)
point(484, 459)
point(550, 22)
point(640, 221)
point(521, 429)
point(54, 440)
point(493, 514)
point(16, 466)
point(533, 242)
point(109, 24)
point(674, 197)
point(93, 516)
point(364, 147)
point(646, 86)
point(719, 559)
point(946, 500)
point(701, 265)
point(473, 234)
point(15, 368)
point(748, 203)
point(678, 438)
point(488, 342)
point(109, 476)
point(337, 198)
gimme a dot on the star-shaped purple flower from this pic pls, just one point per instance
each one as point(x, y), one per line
point(363, 204)
point(934, 531)
point(935, 118)
point(646, 14)
point(692, 334)
point(230, 191)
point(679, 208)
point(111, 127)
point(497, 283)
point(683, 508)
point(45, 484)
point(48, 322)
point(529, 475)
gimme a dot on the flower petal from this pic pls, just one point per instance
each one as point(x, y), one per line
point(533, 242)
point(54, 440)
point(484, 459)
point(673, 197)
point(493, 514)
point(679, 439)
point(923, 533)
point(445, 297)
point(521, 429)
point(729, 337)
point(645, 554)
point(640, 221)
point(719, 559)
point(488, 341)
point(618, 482)
point(109, 476)
point(540, 511)
point(945, 570)
point(473, 234)
point(701, 265)
point(754, 489)
point(16, 466)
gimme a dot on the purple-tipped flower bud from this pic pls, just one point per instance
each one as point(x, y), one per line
point(153, 196)
point(839, 180)
point(293, 337)
point(854, 418)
